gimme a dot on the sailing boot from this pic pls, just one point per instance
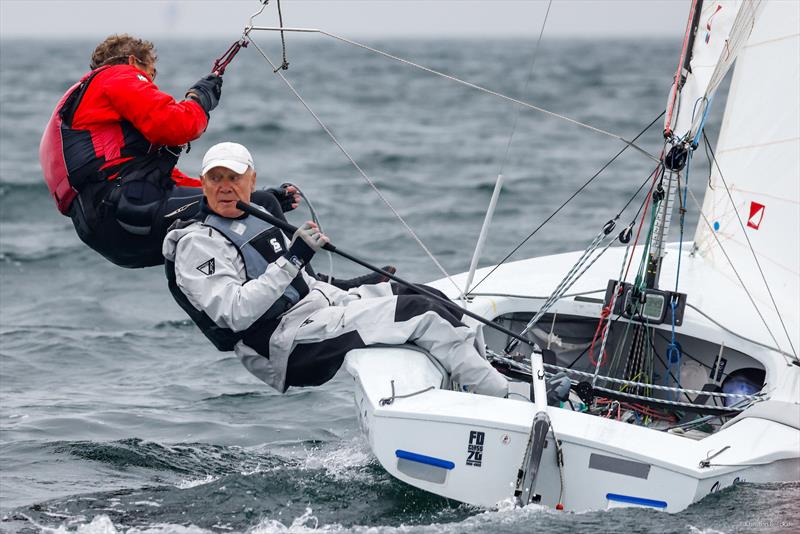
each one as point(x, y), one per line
point(350, 283)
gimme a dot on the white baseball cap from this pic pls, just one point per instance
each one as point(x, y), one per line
point(232, 156)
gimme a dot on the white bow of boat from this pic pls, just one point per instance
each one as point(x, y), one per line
point(681, 358)
point(622, 443)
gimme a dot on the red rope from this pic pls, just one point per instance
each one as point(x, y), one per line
point(604, 314)
point(644, 410)
point(644, 214)
point(606, 311)
point(676, 84)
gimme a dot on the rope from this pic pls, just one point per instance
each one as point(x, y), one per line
point(643, 211)
point(467, 84)
point(679, 78)
point(560, 462)
point(749, 245)
point(623, 275)
point(688, 305)
point(736, 465)
point(285, 64)
point(358, 168)
point(389, 400)
point(606, 313)
point(575, 272)
point(558, 368)
point(674, 352)
point(575, 194)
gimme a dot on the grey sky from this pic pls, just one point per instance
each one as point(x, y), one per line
point(359, 18)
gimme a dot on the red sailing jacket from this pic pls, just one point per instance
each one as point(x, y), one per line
point(111, 116)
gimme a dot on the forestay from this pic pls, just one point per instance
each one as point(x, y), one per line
point(758, 156)
point(722, 29)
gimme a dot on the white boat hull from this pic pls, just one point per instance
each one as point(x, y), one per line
point(424, 439)
point(606, 463)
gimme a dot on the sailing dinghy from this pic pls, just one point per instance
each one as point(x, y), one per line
point(680, 359)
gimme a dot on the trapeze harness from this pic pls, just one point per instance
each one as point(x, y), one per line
point(88, 189)
point(258, 245)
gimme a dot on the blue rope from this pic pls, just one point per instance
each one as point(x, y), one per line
point(696, 139)
point(674, 349)
point(683, 217)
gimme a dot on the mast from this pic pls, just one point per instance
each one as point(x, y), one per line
point(674, 159)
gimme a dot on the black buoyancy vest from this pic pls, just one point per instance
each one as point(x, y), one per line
point(83, 163)
point(71, 162)
point(259, 244)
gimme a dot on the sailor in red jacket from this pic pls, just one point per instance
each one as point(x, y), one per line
point(109, 152)
point(110, 149)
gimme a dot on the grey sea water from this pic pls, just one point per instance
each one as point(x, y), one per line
point(116, 415)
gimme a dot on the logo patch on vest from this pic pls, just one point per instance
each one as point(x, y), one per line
point(269, 244)
point(207, 268)
point(141, 77)
point(238, 227)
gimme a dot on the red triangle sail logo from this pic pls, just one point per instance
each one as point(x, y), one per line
point(756, 215)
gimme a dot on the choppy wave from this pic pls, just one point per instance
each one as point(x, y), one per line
point(176, 324)
point(243, 489)
point(195, 458)
point(117, 414)
point(339, 488)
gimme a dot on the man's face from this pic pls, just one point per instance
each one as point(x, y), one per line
point(223, 188)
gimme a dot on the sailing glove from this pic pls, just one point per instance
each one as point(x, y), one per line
point(287, 196)
point(206, 92)
point(305, 242)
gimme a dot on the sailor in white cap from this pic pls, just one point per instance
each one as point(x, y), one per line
point(245, 286)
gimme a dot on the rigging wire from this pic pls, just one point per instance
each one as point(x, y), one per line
point(315, 218)
point(357, 167)
point(584, 262)
point(525, 90)
point(575, 194)
point(749, 243)
point(658, 174)
point(736, 334)
point(498, 185)
point(522, 103)
point(741, 282)
point(582, 265)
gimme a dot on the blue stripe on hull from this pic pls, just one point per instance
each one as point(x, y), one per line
point(421, 458)
point(635, 500)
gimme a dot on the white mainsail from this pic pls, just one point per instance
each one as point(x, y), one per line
point(758, 153)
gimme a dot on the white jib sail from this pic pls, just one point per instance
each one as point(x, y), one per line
point(758, 153)
point(723, 28)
